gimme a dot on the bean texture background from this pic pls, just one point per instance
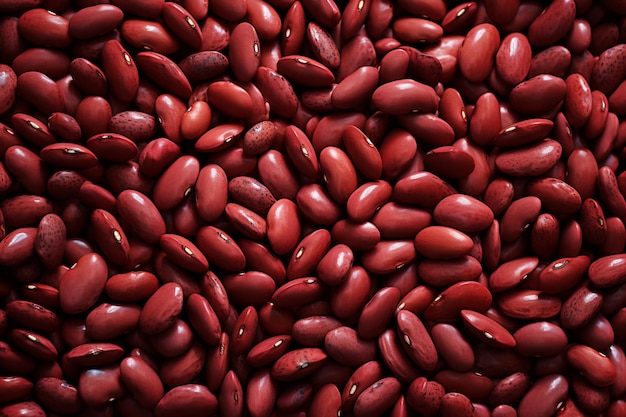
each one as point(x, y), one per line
point(281, 208)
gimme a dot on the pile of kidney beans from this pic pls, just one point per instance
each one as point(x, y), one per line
point(281, 208)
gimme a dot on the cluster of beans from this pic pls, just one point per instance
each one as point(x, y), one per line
point(281, 208)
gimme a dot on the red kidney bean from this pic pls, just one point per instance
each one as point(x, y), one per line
point(388, 256)
point(526, 304)
point(378, 312)
point(131, 286)
point(161, 309)
point(195, 398)
point(510, 274)
point(23, 408)
point(311, 331)
point(183, 24)
point(142, 381)
point(395, 358)
point(410, 95)
point(183, 369)
point(82, 24)
point(94, 354)
point(250, 288)
point(425, 396)
point(580, 307)
point(352, 294)
point(57, 395)
point(32, 315)
point(150, 35)
point(141, 214)
point(447, 306)
point(478, 51)
point(595, 366)
point(554, 60)
point(120, 70)
point(388, 218)
point(268, 350)
point(440, 242)
point(477, 217)
point(8, 87)
point(110, 320)
point(452, 345)
point(297, 364)
point(458, 18)
point(82, 284)
point(378, 397)
point(487, 330)
point(513, 58)
point(417, 342)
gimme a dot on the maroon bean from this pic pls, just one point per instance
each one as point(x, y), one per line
point(447, 306)
point(150, 35)
point(183, 24)
point(194, 398)
point(425, 396)
point(410, 96)
point(23, 408)
point(478, 52)
point(120, 70)
point(161, 309)
point(452, 345)
point(298, 364)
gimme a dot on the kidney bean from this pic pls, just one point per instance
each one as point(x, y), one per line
point(377, 312)
point(83, 283)
point(417, 342)
point(141, 214)
point(478, 51)
point(452, 345)
point(195, 398)
point(513, 58)
point(362, 152)
point(378, 397)
point(14, 388)
point(110, 320)
point(395, 358)
point(441, 242)
point(8, 87)
point(183, 369)
point(250, 288)
point(297, 364)
point(149, 35)
point(21, 408)
point(425, 396)
point(244, 331)
point(32, 315)
point(410, 95)
point(120, 69)
point(24, 210)
point(161, 309)
point(595, 366)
